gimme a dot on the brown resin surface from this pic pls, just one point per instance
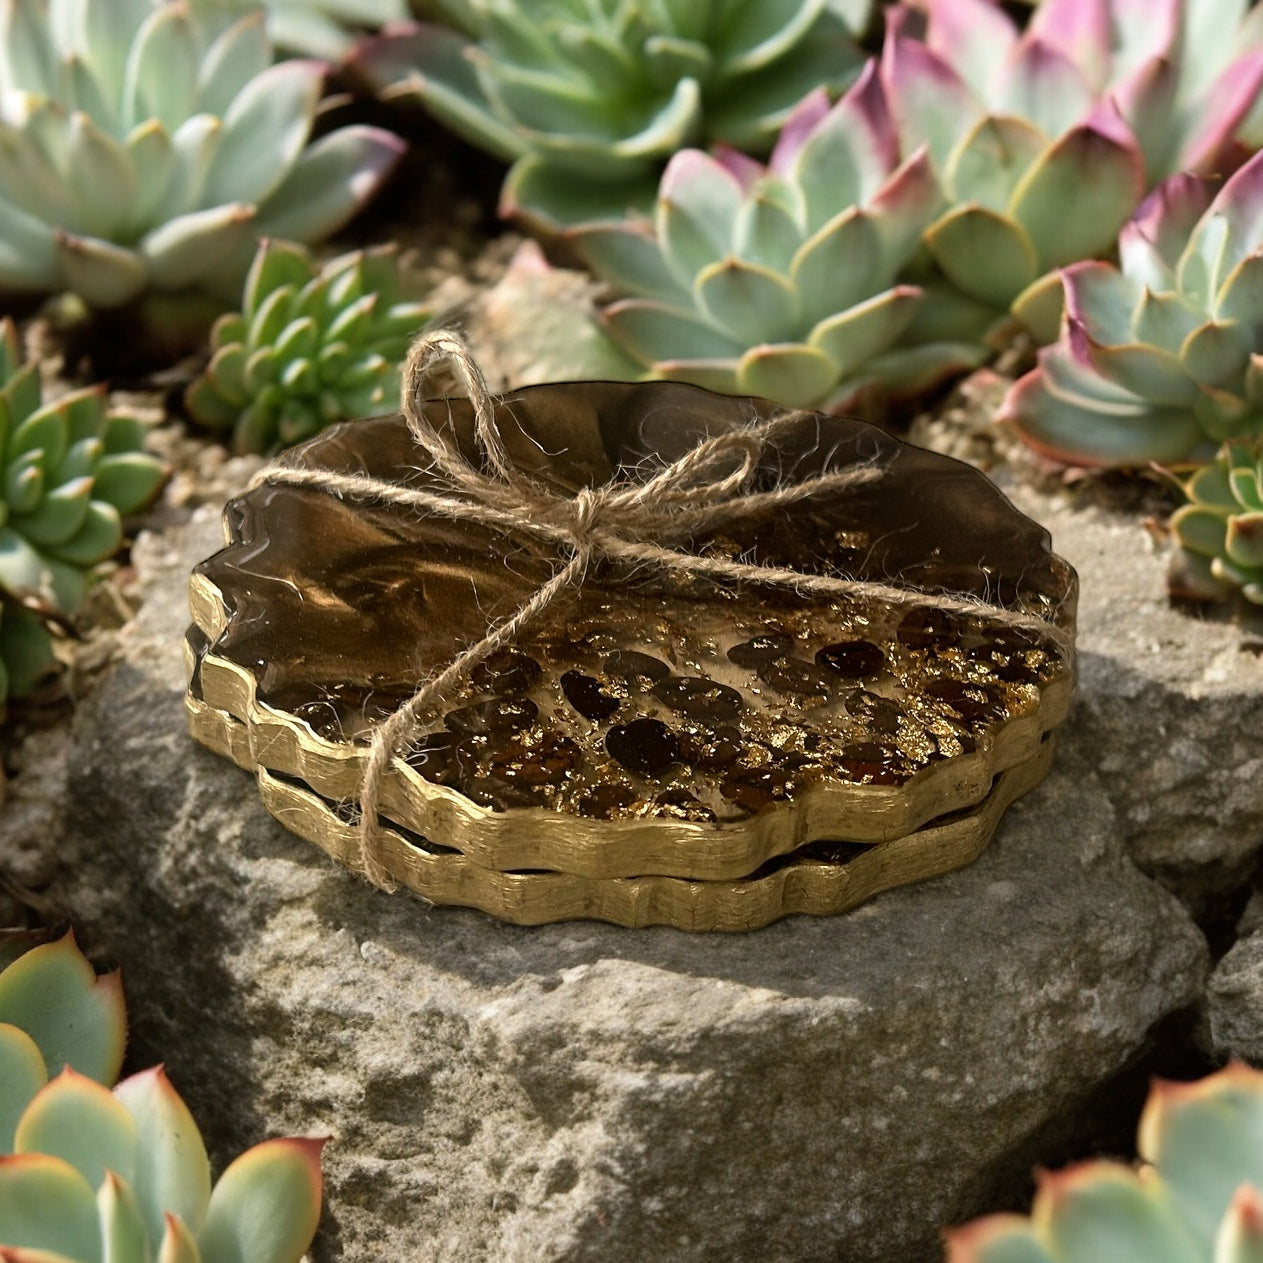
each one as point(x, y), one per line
point(710, 713)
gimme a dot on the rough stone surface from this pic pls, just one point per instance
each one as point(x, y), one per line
point(1233, 1018)
point(820, 1090)
point(1170, 703)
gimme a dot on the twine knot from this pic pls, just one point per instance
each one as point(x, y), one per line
point(648, 524)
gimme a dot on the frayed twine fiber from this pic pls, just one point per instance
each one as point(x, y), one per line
point(647, 524)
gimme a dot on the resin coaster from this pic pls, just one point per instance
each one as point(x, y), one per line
point(646, 725)
point(819, 879)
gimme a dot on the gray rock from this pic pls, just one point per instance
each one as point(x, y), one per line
point(1232, 1014)
point(819, 1090)
point(1170, 704)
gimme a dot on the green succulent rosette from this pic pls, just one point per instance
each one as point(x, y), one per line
point(71, 472)
point(312, 345)
point(588, 98)
point(1220, 530)
point(1194, 1197)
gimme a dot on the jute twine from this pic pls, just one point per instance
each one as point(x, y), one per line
point(646, 524)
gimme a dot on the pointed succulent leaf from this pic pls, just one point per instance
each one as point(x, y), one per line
point(188, 248)
point(1073, 201)
point(1042, 84)
point(1102, 301)
point(1145, 371)
point(266, 1205)
point(172, 1171)
point(46, 1205)
point(718, 375)
point(332, 179)
point(1163, 320)
point(698, 204)
point(973, 37)
point(839, 266)
point(628, 258)
point(987, 255)
point(276, 265)
point(1201, 529)
point(997, 1239)
point(653, 331)
point(1078, 429)
point(1217, 353)
point(1205, 1139)
point(99, 536)
point(76, 1119)
point(793, 374)
point(1104, 1210)
point(990, 159)
point(127, 481)
point(766, 234)
point(1240, 1236)
point(60, 514)
point(1152, 241)
point(265, 129)
point(1240, 296)
point(1243, 541)
point(22, 1070)
point(753, 304)
point(123, 1236)
point(930, 102)
point(102, 273)
point(864, 331)
point(1040, 307)
point(75, 1017)
point(178, 1243)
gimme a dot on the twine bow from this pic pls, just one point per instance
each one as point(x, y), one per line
point(647, 524)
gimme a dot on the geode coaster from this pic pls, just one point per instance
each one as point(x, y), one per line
point(819, 879)
point(647, 725)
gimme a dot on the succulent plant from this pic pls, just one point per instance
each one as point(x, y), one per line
point(55, 1012)
point(1194, 1199)
point(327, 28)
point(98, 1175)
point(146, 145)
point(311, 345)
point(1163, 359)
point(70, 472)
point(90, 1175)
point(781, 280)
point(587, 98)
point(1036, 169)
point(1220, 530)
point(26, 649)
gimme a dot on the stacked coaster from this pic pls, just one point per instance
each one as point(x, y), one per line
point(655, 749)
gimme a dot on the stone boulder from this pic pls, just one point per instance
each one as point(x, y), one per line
point(818, 1090)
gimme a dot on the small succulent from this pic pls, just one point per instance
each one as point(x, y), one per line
point(26, 649)
point(1220, 530)
point(781, 280)
point(90, 1175)
point(327, 28)
point(55, 1012)
point(146, 145)
point(123, 1175)
point(311, 346)
point(587, 98)
point(1036, 169)
point(70, 472)
point(1163, 359)
point(1197, 1196)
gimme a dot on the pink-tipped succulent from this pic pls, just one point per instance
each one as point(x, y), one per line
point(1195, 1197)
point(1161, 360)
point(1037, 170)
point(55, 1012)
point(782, 280)
point(124, 1175)
point(90, 1175)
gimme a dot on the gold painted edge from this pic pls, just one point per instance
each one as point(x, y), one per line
point(810, 887)
point(534, 838)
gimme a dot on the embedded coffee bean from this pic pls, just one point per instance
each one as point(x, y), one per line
point(852, 659)
point(646, 746)
point(506, 671)
point(638, 669)
point(766, 647)
point(796, 675)
point(700, 698)
point(585, 694)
